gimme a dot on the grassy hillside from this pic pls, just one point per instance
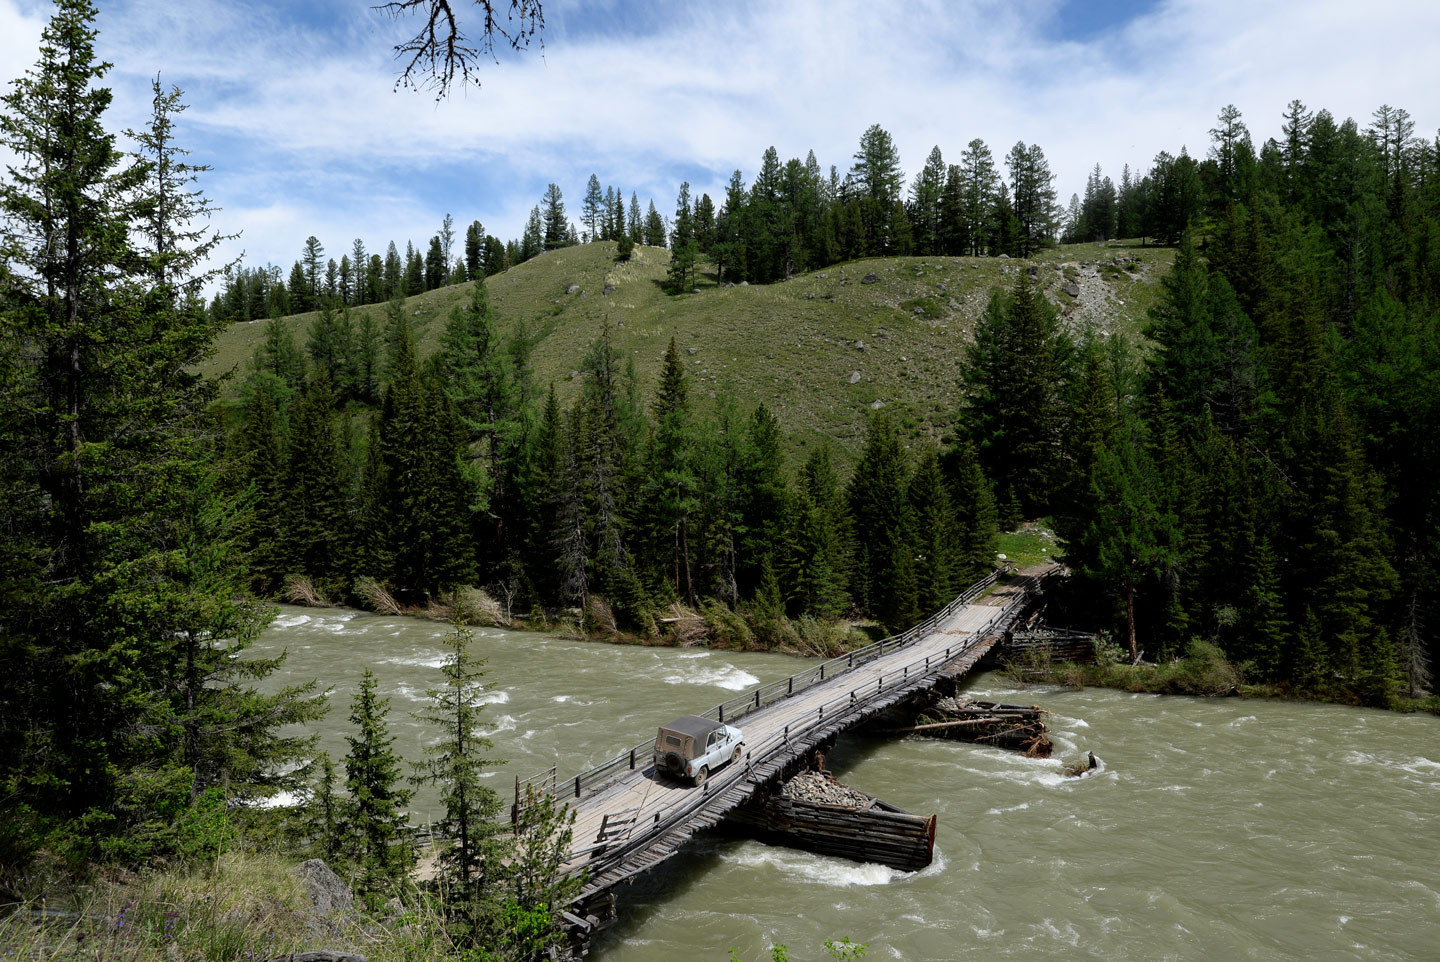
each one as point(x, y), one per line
point(823, 349)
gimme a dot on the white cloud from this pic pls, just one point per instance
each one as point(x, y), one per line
point(308, 135)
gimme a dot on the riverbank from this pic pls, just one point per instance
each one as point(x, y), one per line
point(714, 625)
point(1203, 671)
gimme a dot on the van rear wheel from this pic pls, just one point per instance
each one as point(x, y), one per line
point(701, 775)
point(739, 750)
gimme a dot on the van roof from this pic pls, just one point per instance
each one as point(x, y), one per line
point(693, 725)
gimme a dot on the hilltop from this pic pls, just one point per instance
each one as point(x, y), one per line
point(823, 349)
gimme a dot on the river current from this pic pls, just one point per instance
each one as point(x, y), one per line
point(1213, 829)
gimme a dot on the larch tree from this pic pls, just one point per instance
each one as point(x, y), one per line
point(456, 763)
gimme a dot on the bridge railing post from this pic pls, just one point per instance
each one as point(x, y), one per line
point(577, 786)
point(632, 759)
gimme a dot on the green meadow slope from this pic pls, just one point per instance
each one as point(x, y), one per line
point(822, 350)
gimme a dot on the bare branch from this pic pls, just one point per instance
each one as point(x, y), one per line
point(440, 49)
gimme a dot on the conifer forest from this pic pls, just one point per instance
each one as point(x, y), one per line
point(1250, 477)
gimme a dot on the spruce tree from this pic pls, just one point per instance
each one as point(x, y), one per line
point(633, 224)
point(880, 514)
point(315, 522)
point(376, 811)
point(976, 520)
point(414, 280)
point(123, 593)
point(484, 380)
point(933, 534)
point(436, 265)
point(762, 495)
point(670, 492)
point(980, 183)
point(1131, 535)
point(654, 227)
point(1012, 378)
point(256, 453)
point(557, 229)
point(474, 250)
point(683, 248)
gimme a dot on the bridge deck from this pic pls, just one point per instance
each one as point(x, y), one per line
point(629, 824)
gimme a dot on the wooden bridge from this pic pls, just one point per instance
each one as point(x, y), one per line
point(628, 819)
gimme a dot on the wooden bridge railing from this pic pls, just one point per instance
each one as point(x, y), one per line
point(607, 852)
point(574, 786)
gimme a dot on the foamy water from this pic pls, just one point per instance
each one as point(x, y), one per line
point(1219, 830)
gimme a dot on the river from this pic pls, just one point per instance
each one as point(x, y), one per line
point(1220, 829)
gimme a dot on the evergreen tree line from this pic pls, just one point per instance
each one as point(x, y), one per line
point(256, 293)
point(1262, 477)
point(794, 217)
point(425, 478)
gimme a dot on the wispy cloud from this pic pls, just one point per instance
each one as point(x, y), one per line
point(294, 104)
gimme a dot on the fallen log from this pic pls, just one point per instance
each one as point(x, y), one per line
point(1016, 727)
point(967, 723)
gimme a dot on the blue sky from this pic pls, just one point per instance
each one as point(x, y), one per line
point(292, 102)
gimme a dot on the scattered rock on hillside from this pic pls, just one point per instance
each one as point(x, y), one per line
point(693, 350)
point(573, 289)
point(877, 405)
point(1032, 270)
point(1072, 289)
point(609, 289)
point(854, 377)
point(328, 894)
point(744, 283)
point(859, 345)
point(942, 288)
point(1005, 256)
point(869, 278)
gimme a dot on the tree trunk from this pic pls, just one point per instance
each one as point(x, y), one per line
point(1130, 619)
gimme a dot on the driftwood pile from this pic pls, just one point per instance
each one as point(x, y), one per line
point(1017, 727)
